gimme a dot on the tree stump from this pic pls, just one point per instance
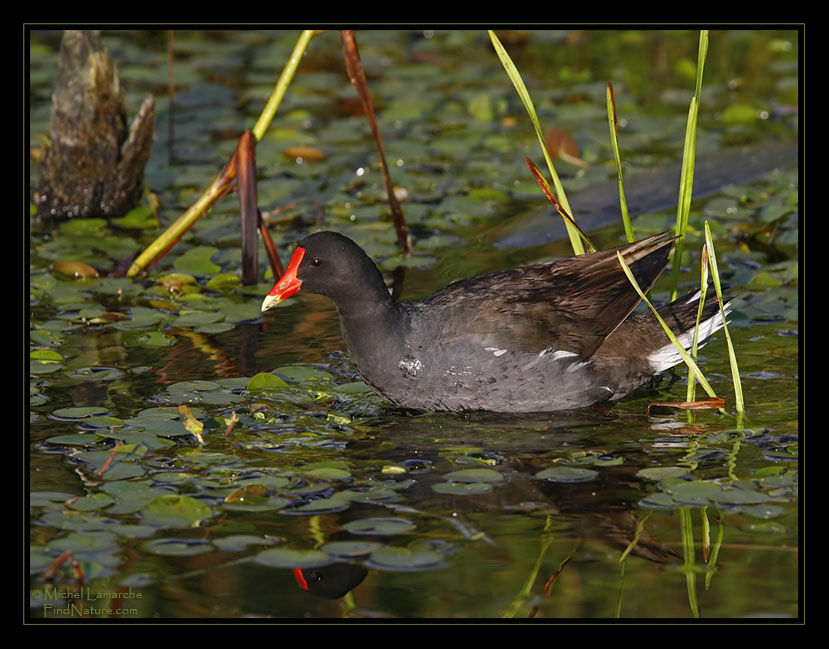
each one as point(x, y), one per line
point(94, 164)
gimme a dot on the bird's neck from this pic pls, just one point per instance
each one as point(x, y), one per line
point(372, 329)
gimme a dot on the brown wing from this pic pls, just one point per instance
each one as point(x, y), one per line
point(570, 305)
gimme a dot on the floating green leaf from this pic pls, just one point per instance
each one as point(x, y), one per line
point(76, 439)
point(178, 547)
point(95, 374)
point(474, 475)
point(196, 318)
point(265, 381)
point(327, 473)
point(197, 261)
point(92, 502)
point(302, 373)
point(462, 488)
point(175, 511)
point(403, 559)
point(140, 218)
point(566, 474)
point(224, 282)
point(79, 412)
point(288, 558)
point(351, 549)
point(658, 473)
point(85, 542)
point(381, 526)
point(239, 542)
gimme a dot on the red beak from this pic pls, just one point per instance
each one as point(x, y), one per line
point(288, 284)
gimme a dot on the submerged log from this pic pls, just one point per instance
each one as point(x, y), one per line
point(94, 164)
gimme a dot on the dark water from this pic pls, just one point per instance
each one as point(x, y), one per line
point(590, 515)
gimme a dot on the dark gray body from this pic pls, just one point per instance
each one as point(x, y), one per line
point(539, 338)
point(446, 372)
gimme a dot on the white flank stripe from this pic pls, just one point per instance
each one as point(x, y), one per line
point(668, 356)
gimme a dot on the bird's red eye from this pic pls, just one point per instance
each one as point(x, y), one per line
point(316, 261)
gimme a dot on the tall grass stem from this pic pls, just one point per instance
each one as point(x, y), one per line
point(614, 143)
point(686, 180)
point(282, 84)
point(684, 354)
point(521, 89)
point(732, 356)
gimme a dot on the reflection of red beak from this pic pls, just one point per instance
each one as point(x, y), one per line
point(288, 284)
point(300, 579)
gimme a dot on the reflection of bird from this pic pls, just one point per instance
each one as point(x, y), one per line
point(330, 582)
point(538, 338)
point(619, 529)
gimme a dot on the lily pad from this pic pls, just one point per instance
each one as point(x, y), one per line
point(76, 439)
point(223, 282)
point(79, 412)
point(139, 218)
point(197, 261)
point(474, 475)
point(175, 511)
point(68, 519)
point(214, 328)
point(265, 381)
point(95, 373)
point(462, 488)
point(403, 559)
point(739, 497)
point(131, 496)
point(196, 318)
point(102, 422)
point(351, 549)
point(566, 474)
point(85, 542)
point(336, 503)
point(381, 526)
point(253, 498)
point(356, 387)
point(46, 498)
point(133, 531)
point(92, 502)
point(270, 482)
point(694, 492)
point(141, 319)
point(658, 473)
point(239, 542)
point(120, 465)
point(302, 373)
point(289, 558)
point(327, 473)
point(178, 547)
point(76, 269)
point(46, 355)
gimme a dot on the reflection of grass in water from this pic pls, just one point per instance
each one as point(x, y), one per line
point(688, 567)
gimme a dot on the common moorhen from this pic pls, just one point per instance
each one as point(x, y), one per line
point(538, 338)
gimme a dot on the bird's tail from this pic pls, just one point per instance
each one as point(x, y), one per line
point(681, 315)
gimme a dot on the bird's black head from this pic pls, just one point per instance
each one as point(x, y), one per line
point(330, 264)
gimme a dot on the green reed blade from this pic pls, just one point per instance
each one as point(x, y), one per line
point(521, 89)
point(685, 357)
point(614, 142)
point(686, 180)
point(732, 356)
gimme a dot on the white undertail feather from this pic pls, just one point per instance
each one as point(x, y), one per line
point(668, 355)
